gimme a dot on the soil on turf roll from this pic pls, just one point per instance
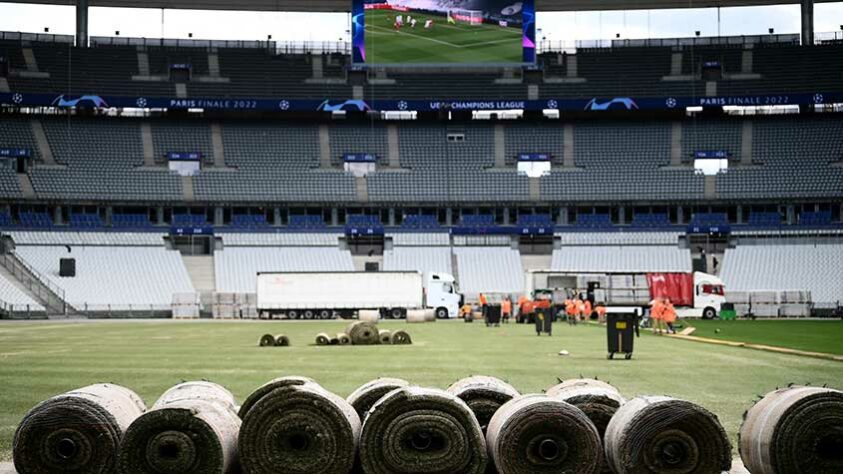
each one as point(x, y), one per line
point(323, 339)
point(191, 429)
point(484, 395)
point(267, 340)
point(343, 339)
point(794, 430)
point(268, 387)
point(77, 431)
point(385, 336)
point(363, 333)
point(661, 435)
point(367, 394)
point(598, 400)
point(299, 428)
point(282, 340)
point(400, 337)
point(421, 430)
point(541, 434)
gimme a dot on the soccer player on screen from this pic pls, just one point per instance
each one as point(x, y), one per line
point(428, 24)
point(413, 23)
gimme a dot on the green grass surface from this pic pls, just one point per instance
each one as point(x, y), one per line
point(444, 43)
point(39, 360)
point(815, 336)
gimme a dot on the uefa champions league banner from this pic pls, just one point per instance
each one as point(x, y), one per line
point(596, 104)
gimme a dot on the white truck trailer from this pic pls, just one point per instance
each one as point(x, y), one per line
point(325, 295)
point(695, 295)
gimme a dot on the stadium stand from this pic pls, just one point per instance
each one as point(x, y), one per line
point(13, 299)
point(95, 239)
point(420, 259)
point(297, 239)
point(617, 238)
point(489, 270)
point(616, 259)
point(236, 268)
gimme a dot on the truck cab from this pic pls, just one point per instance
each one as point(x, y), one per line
point(709, 295)
point(442, 295)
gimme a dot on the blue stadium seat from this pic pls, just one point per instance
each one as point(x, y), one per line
point(658, 219)
point(764, 219)
point(594, 221)
point(85, 221)
point(133, 221)
point(35, 220)
point(420, 222)
point(301, 222)
point(249, 221)
point(189, 220)
point(819, 218)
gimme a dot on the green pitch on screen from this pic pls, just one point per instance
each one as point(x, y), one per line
point(443, 43)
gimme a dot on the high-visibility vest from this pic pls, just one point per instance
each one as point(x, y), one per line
point(483, 299)
point(506, 307)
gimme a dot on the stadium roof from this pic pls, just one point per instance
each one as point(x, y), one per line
point(344, 5)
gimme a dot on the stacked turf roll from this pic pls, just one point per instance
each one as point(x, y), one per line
point(598, 400)
point(794, 430)
point(662, 435)
point(293, 425)
point(191, 429)
point(367, 394)
point(77, 431)
point(413, 430)
point(363, 333)
point(484, 395)
point(400, 338)
point(540, 434)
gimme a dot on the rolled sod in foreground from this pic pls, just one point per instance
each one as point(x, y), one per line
point(660, 435)
point(299, 428)
point(191, 429)
point(343, 339)
point(77, 431)
point(794, 430)
point(267, 340)
point(541, 434)
point(418, 430)
point(367, 394)
point(323, 339)
point(385, 336)
point(400, 337)
point(363, 333)
point(264, 389)
point(282, 340)
point(598, 400)
point(484, 395)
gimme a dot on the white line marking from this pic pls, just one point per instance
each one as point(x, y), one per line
point(420, 37)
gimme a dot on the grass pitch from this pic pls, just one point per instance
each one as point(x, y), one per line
point(816, 336)
point(443, 43)
point(39, 360)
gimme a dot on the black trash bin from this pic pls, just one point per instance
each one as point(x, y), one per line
point(493, 315)
point(621, 330)
point(544, 321)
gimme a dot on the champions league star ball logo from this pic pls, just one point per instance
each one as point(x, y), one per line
point(552, 104)
point(141, 103)
point(17, 98)
point(671, 103)
point(818, 98)
point(402, 105)
point(284, 105)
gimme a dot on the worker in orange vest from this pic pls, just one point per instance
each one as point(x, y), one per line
point(601, 313)
point(571, 310)
point(506, 309)
point(657, 315)
point(465, 312)
point(484, 306)
point(580, 309)
point(588, 309)
point(669, 315)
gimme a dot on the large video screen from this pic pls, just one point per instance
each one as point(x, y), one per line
point(437, 32)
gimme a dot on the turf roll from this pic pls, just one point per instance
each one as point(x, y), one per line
point(77, 431)
point(541, 434)
point(323, 339)
point(370, 315)
point(191, 429)
point(282, 340)
point(367, 394)
point(343, 339)
point(266, 340)
point(662, 435)
point(385, 336)
point(421, 430)
point(400, 337)
point(363, 333)
point(794, 430)
point(598, 400)
point(484, 395)
point(299, 428)
point(264, 389)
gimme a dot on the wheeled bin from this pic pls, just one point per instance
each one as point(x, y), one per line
point(493, 315)
point(544, 321)
point(621, 330)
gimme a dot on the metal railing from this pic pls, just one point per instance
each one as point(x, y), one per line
point(547, 46)
point(38, 284)
point(180, 43)
point(42, 37)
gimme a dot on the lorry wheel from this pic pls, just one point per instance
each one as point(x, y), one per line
point(308, 314)
point(442, 313)
point(709, 313)
point(292, 314)
point(395, 313)
point(325, 314)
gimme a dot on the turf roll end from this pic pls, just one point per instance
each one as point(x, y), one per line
point(266, 340)
point(484, 395)
point(299, 428)
point(385, 336)
point(537, 433)
point(412, 430)
point(261, 391)
point(367, 394)
point(794, 430)
point(78, 431)
point(363, 333)
point(282, 340)
point(323, 339)
point(400, 337)
point(343, 339)
point(661, 435)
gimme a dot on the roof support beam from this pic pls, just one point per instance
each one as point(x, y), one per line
point(81, 23)
point(807, 22)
